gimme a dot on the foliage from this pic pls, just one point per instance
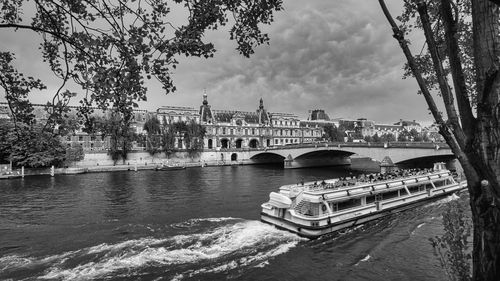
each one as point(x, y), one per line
point(168, 136)
point(453, 248)
point(32, 147)
point(5, 140)
point(68, 125)
point(117, 127)
point(191, 134)
point(29, 146)
point(152, 127)
point(74, 154)
point(404, 136)
point(193, 138)
point(332, 133)
point(387, 138)
point(110, 48)
point(415, 136)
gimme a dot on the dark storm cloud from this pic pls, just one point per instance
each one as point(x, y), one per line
point(338, 56)
point(333, 55)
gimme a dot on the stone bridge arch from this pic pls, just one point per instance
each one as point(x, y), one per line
point(339, 154)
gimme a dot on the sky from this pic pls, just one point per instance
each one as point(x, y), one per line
point(338, 56)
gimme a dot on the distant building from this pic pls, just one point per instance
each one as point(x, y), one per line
point(432, 133)
point(235, 129)
point(315, 123)
point(370, 128)
point(240, 129)
point(409, 125)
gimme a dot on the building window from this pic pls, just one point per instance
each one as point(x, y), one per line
point(253, 131)
point(223, 131)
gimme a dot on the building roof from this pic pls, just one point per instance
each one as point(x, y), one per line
point(319, 114)
point(407, 123)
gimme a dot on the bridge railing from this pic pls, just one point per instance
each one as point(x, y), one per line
point(423, 145)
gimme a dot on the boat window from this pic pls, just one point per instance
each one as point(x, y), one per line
point(439, 183)
point(415, 189)
point(334, 207)
point(349, 204)
point(390, 195)
point(370, 199)
point(310, 209)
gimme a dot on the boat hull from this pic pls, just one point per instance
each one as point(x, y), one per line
point(313, 232)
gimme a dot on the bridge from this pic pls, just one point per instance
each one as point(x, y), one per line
point(330, 154)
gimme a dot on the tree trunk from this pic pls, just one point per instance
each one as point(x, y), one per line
point(486, 247)
point(484, 152)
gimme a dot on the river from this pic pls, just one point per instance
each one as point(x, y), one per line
point(195, 224)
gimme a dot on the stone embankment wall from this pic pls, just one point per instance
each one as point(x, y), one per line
point(143, 158)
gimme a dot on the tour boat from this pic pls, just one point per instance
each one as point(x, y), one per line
point(313, 209)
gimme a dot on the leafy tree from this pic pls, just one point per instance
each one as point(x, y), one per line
point(425, 137)
point(68, 125)
point(109, 48)
point(6, 128)
point(387, 138)
point(153, 139)
point(404, 136)
point(74, 153)
point(368, 138)
point(117, 127)
point(332, 133)
point(376, 138)
point(168, 137)
point(463, 42)
point(452, 248)
point(414, 135)
point(31, 148)
point(194, 138)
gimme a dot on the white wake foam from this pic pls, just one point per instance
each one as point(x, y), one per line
point(445, 200)
point(219, 249)
point(365, 259)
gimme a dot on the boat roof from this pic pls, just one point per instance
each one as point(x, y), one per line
point(318, 188)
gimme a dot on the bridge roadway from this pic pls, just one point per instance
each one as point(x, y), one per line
point(329, 154)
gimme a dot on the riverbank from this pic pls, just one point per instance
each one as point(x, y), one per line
point(19, 173)
point(357, 163)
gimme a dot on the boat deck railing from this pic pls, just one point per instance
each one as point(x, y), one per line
point(378, 205)
point(329, 187)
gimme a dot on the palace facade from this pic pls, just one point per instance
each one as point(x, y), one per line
point(241, 129)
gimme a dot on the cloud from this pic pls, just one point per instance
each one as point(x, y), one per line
point(338, 56)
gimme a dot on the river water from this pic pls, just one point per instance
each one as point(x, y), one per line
point(195, 224)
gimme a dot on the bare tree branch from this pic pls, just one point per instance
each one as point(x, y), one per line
point(466, 117)
point(445, 129)
point(440, 74)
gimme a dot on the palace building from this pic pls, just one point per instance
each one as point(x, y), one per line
point(239, 129)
